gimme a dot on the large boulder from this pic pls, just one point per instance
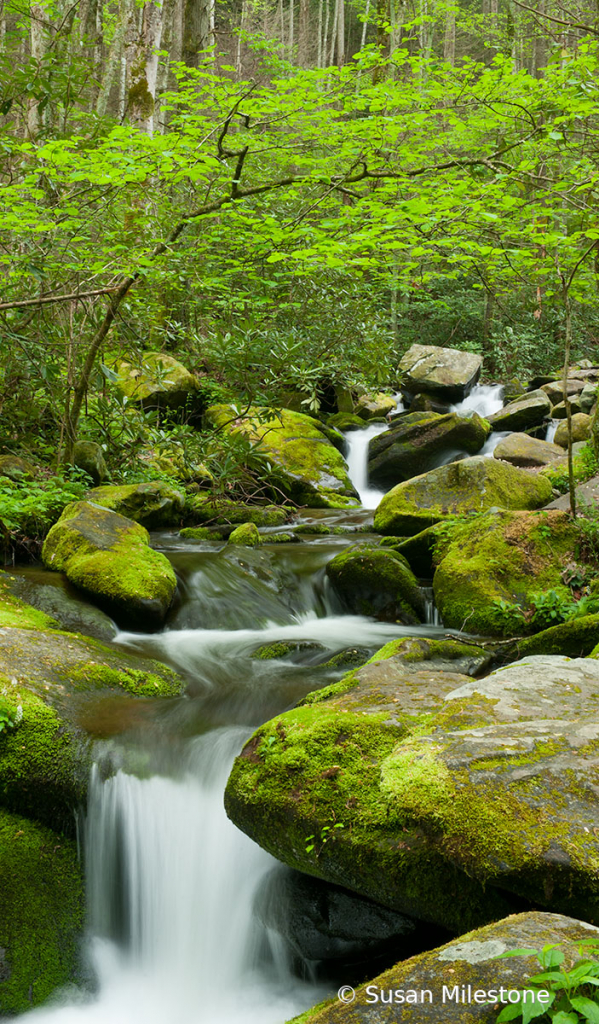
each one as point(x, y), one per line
point(523, 414)
point(527, 452)
point(46, 600)
point(418, 442)
point(462, 982)
point(160, 381)
point(471, 485)
point(376, 406)
point(581, 430)
point(109, 558)
point(88, 456)
point(454, 794)
point(152, 504)
point(502, 557)
point(17, 469)
point(291, 451)
point(370, 580)
point(41, 918)
point(447, 373)
point(208, 508)
point(588, 398)
point(555, 389)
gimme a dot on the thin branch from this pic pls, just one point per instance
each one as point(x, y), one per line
point(57, 298)
point(558, 21)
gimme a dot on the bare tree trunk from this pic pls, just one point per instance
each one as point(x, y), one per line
point(325, 37)
point(334, 32)
point(198, 29)
point(365, 25)
point(291, 27)
point(319, 51)
point(303, 50)
point(449, 41)
point(340, 33)
point(241, 28)
point(91, 35)
point(166, 44)
point(113, 66)
point(396, 18)
point(282, 21)
point(38, 43)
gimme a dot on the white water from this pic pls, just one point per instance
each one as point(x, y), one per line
point(171, 886)
point(357, 462)
point(484, 399)
point(551, 429)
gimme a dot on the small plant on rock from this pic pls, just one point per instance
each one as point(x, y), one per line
point(559, 995)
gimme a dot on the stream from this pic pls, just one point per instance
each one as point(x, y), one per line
point(173, 937)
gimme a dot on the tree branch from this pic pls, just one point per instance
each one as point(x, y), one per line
point(45, 299)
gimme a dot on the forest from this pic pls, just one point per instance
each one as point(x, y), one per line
point(299, 473)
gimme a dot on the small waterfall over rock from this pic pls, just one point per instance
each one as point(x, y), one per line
point(551, 429)
point(357, 462)
point(484, 399)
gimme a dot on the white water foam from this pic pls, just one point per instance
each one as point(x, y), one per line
point(357, 462)
point(171, 887)
point(551, 429)
point(484, 399)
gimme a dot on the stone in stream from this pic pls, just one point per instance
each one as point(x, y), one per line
point(376, 581)
point(555, 389)
point(247, 534)
point(581, 430)
point(109, 558)
point(527, 452)
point(208, 508)
point(471, 485)
point(446, 373)
point(523, 414)
point(501, 557)
point(375, 406)
point(588, 398)
point(455, 795)
point(460, 982)
point(42, 915)
point(417, 440)
point(60, 605)
point(293, 452)
point(153, 505)
point(558, 412)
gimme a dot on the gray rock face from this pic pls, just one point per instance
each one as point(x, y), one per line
point(527, 452)
point(461, 982)
point(581, 430)
point(555, 391)
point(52, 594)
point(88, 455)
point(523, 414)
point(418, 441)
point(447, 373)
point(588, 398)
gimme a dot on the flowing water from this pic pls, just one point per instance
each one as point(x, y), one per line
point(173, 937)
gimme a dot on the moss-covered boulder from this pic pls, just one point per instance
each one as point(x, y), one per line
point(152, 504)
point(246, 534)
point(41, 916)
point(454, 794)
point(88, 456)
point(109, 558)
point(16, 468)
point(17, 613)
point(418, 442)
point(374, 407)
point(160, 381)
point(471, 485)
point(527, 452)
point(293, 453)
point(555, 389)
point(37, 599)
point(345, 421)
point(206, 508)
point(199, 533)
point(501, 557)
point(577, 638)
point(581, 430)
point(377, 581)
point(446, 373)
point(462, 982)
point(588, 398)
point(523, 414)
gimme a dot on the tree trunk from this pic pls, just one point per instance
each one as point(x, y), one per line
point(449, 41)
point(396, 19)
point(38, 42)
point(303, 42)
point(365, 25)
point(198, 29)
point(291, 28)
point(340, 33)
point(568, 346)
point(113, 66)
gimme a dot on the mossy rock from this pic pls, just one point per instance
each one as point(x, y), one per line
point(555, 389)
point(246, 534)
point(205, 508)
point(199, 533)
point(287, 649)
point(455, 795)
point(416, 443)
point(448, 374)
point(109, 558)
point(161, 381)
point(418, 550)
point(581, 430)
point(525, 413)
point(559, 411)
point(17, 469)
point(527, 452)
point(502, 556)
point(472, 485)
point(88, 456)
point(153, 505)
point(41, 918)
point(345, 421)
point(280, 538)
point(371, 580)
point(376, 406)
point(460, 982)
point(303, 462)
point(16, 613)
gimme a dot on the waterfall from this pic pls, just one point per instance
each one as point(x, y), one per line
point(357, 462)
point(484, 399)
point(170, 888)
point(551, 429)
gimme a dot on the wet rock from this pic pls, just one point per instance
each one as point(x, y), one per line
point(588, 398)
point(462, 982)
point(246, 534)
point(372, 407)
point(88, 456)
point(442, 783)
point(376, 581)
point(288, 649)
point(417, 442)
point(109, 558)
point(446, 373)
point(473, 485)
point(527, 452)
point(59, 605)
point(523, 414)
point(205, 508)
point(581, 430)
point(501, 557)
point(346, 421)
point(303, 462)
point(559, 412)
point(154, 504)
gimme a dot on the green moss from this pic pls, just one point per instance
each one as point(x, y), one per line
point(279, 538)
point(371, 580)
point(205, 508)
point(505, 556)
point(42, 913)
point(108, 557)
point(44, 767)
point(246, 534)
point(474, 485)
point(16, 613)
point(152, 504)
point(160, 375)
point(199, 533)
point(135, 681)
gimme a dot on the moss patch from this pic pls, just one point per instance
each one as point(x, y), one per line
point(14, 612)
point(153, 504)
point(371, 580)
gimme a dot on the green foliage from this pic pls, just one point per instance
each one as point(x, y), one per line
point(558, 994)
point(327, 832)
point(545, 609)
point(10, 716)
point(32, 508)
point(585, 465)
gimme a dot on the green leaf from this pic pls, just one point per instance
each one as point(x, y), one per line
point(510, 1013)
point(566, 1018)
point(587, 1007)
